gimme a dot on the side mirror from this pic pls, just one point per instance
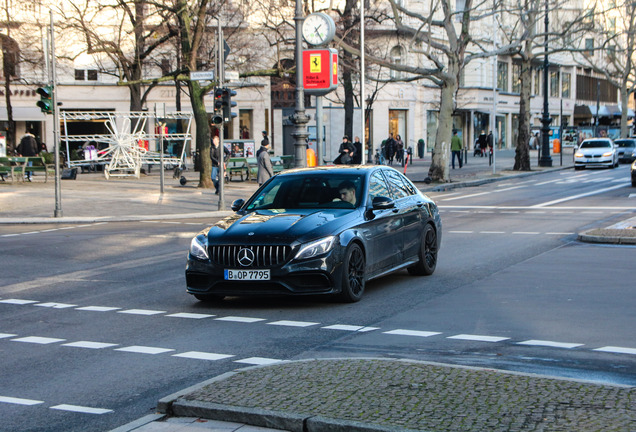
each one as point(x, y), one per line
point(237, 204)
point(382, 203)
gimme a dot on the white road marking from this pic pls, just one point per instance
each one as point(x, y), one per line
point(81, 409)
point(144, 349)
point(460, 232)
point(202, 355)
point(559, 233)
point(553, 344)
point(141, 312)
point(190, 315)
point(526, 232)
point(258, 361)
point(573, 197)
point(90, 345)
point(19, 401)
point(352, 328)
point(98, 308)
point(240, 319)
point(418, 333)
point(492, 232)
point(17, 301)
point(478, 338)
point(617, 350)
point(56, 305)
point(293, 323)
point(38, 340)
point(9, 235)
point(6, 335)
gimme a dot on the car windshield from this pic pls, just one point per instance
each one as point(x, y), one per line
point(313, 190)
point(625, 143)
point(595, 144)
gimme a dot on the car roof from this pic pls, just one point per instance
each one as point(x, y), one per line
point(335, 169)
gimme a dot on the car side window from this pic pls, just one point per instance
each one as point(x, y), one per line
point(377, 186)
point(398, 188)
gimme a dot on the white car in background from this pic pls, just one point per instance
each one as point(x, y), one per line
point(596, 152)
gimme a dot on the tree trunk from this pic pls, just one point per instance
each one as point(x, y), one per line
point(624, 99)
point(522, 152)
point(441, 152)
point(202, 138)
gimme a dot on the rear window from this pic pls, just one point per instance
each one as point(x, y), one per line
point(625, 143)
point(595, 144)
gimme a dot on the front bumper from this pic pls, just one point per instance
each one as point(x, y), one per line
point(594, 161)
point(308, 277)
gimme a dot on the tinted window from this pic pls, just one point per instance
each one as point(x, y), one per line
point(377, 186)
point(596, 144)
point(624, 143)
point(396, 184)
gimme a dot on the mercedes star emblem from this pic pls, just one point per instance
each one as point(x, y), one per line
point(245, 257)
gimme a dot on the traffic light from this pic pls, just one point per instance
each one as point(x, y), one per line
point(217, 117)
point(228, 104)
point(46, 102)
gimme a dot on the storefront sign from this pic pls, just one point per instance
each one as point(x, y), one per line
point(320, 71)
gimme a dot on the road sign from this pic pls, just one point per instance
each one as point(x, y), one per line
point(202, 75)
point(320, 71)
point(231, 76)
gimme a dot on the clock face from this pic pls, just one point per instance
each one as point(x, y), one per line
point(318, 29)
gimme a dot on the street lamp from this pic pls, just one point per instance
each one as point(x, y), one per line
point(546, 159)
point(299, 118)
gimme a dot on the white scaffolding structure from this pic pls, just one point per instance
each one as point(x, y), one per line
point(127, 134)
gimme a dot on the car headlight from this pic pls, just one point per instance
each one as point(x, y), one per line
point(199, 247)
point(578, 155)
point(315, 248)
point(608, 154)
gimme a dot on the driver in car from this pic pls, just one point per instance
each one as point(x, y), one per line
point(347, 192)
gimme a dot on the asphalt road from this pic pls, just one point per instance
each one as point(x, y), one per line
point(96, 325)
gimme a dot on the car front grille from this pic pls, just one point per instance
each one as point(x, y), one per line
point(264, 256)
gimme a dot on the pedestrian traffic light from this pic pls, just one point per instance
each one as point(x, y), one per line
point(227, 104)
point(46, 102)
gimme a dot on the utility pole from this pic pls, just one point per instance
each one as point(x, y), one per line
point(546, 159)
point(299, 118)
point(56, 122)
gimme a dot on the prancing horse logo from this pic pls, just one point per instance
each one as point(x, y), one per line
point(245, 257)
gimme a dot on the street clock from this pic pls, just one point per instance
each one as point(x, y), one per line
point(318, 29)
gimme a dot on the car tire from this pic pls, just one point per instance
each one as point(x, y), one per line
point(428, 254)
point(578, 168)
point(353, 274)
point(209, 298)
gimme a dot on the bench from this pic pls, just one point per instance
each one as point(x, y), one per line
point(238, 166)
point(19, 166)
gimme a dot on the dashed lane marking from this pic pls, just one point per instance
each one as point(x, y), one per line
point(81, 409)
point(418, 333)
point(352, 328)
point(18, 301)
point(7, 335)
point(19, 401)
point(617, 350)
point(55, 305)
point(259, 361)
point(144, 349)
point(534, 342)
point(526, 233)
point(90, 345)
point(38, 340)
point(198, 355)
point(293, 323)
point(190, 315)
point(97, 308)
point(479, 338)
point(141, 312)
point(240, 319)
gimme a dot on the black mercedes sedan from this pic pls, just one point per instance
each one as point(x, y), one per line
point(324, 230)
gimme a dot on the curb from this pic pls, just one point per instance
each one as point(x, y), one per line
point(139, 423)
point(587, 237)
point(130, 218)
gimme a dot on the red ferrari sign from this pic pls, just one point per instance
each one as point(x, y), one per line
point(320, 71)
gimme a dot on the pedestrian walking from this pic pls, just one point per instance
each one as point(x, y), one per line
point(399, 149)
point(357, 153)
point(28, 147)
point(215, 156)
point(264, 163)
point(389, 147)
point(482, 143)
point(265, 140)
point(456, 149)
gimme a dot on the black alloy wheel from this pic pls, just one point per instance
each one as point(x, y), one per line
point(428, 254)
point(353, 279)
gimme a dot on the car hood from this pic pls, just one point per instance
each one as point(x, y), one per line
point(274, 226)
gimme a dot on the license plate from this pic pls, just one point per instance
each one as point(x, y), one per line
point(250, 275)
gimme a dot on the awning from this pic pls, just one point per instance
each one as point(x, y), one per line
point(583, 111)
point(23, 114)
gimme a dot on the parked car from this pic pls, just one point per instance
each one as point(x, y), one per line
point(596, 152)
point(634, 173)
point(324, 230)
point(626, 149)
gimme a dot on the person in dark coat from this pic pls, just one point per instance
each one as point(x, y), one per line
point(482, 142)
point(345, 151)
point(215, 156)
point(357, 154)
point(265, 169)
point(28, 147)
point(389, 148)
